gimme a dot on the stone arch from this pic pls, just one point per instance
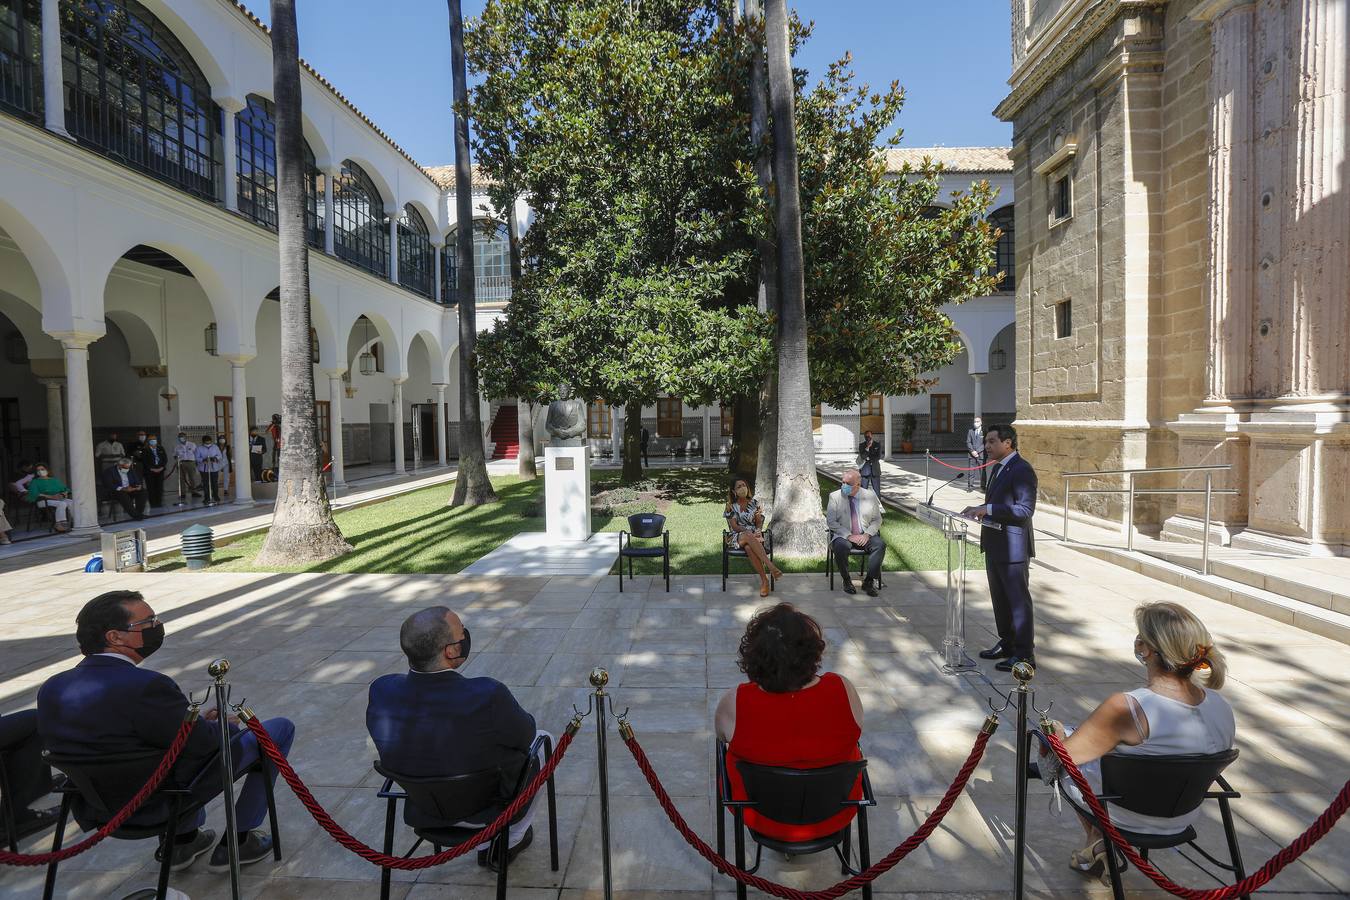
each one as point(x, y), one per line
point(382, 184)
point(143, 346)
point(380, 330)
point(55, 282)
point(432, 346)
point(172, 16)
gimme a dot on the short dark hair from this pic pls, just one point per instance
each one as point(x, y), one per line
point(424, 635)
point(106, 612)
point(781, 649)
point(1005, 432)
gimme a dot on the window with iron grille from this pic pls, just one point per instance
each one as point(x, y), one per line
point(360, 225)
point(669, 417)
point(415, 256)
point(134, 94)
point(728, 421)
point(491, 264)
point(1062, 199)
point(256, 169)
point(21, 58)
point(1004, 258)
point(598, 421)
point(1064, 319)
point(940, 413)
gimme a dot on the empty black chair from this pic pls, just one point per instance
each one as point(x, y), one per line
point(860, 552)
point(97, 787)
point(795, 797)
point(645, 526)
point(729, 552)
point(1166, 787)
point(456, 798)
point(7, 812)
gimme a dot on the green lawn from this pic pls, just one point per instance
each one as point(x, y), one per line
point(417, 533)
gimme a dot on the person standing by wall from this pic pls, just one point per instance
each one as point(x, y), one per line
point(257, 449)
point(975, 453)
point(274, 432)
point(189, 482)
point(869, 463)
point(209, 463)
point(108, 452)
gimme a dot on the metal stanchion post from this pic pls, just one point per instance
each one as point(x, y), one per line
point(927, 455)
point(217, 670)
point(600, 678)
point(1023, 672)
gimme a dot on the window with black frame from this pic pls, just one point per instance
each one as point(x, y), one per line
point(491, 264)
point(255, 136)
point(1004, 257)
point(21, 58)
point(360, 225)
point(416, 259)
point(134, 93)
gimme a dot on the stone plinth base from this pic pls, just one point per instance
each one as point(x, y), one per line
point(567, 493)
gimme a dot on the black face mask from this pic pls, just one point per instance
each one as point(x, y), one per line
point(151, 640)
point(464, 645)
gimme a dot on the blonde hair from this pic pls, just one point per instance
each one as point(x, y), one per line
point(1181, 641)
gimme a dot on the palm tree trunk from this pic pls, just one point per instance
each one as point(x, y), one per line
point(798, 524)
point(303, 529)
point(525, 463)
point(472, 486)
point(766, 471)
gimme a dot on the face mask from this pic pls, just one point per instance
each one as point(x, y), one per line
point(141, 438)
point(182, 440)
point(42, 473)
point(464, 646)
point(151, 640)
point(742, 491)
point(154, 443)
point(846, 489)
point(125, 468)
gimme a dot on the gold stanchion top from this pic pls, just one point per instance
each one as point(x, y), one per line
point(1024, 671)
point(218, 668)
point(599, 678)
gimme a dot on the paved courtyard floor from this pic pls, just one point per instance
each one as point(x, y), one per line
point(307, 646)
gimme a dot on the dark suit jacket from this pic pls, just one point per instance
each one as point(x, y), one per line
point(870, 455)
point(441, 723)
point(108, 705)
point(1012, 496)
point(112, 480)
point(975, 441)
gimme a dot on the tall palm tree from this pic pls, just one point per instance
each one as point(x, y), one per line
point(766, 471)
point(302, 521)
point(472, 486)
point(798, 524)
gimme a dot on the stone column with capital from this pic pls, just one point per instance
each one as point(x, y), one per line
point(393, 246)
point(886, 426)
point(399, 468)
point(53, 76)
point(335, 449)
point(707, 434)
point(241, 477)
point(616, 416)
point(329, 177)
point(230, 170)
point(56, 426)
point(83, 480)
point(977, 403)
point(441, 456)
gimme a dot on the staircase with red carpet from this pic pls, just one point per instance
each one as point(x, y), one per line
point(505, 434)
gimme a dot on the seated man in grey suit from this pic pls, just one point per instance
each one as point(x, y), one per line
point(854, 519)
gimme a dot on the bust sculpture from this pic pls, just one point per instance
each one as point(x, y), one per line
point(566, 420)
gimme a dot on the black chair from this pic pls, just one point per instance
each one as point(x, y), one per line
point(455, 799)
point(795, 797)
point(7, 814)
point(1166, 786)
point(859, 552)
point(646, 526)
point(729, 552)
point(96, 787)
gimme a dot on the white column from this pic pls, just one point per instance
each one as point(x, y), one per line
point(978, 405)
point(53, 76)
point(56, 427)
point(335, 394)
point(399, 468)
point(616, 430)
point(393, 246)
point(441, 456)
point(886, 426)
point(241, 477)
point(329, 178)
point(231, 107)
point(436, 262)
point(707, 433)
point(81, 431)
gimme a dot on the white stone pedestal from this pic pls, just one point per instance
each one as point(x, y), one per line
point(567, 493)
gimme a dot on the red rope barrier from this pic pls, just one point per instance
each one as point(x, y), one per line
point(161, 771)
point(370, 855)
point(962, 468)
point(1315, 832)
point(869, 875)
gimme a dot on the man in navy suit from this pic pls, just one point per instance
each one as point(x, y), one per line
point(1010, 500)
point(109, 703)
point(123, 483)
point(434, 722)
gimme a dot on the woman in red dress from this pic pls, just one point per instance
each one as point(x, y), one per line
point(787, 714)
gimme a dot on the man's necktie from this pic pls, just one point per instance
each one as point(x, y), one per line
point(853, 514)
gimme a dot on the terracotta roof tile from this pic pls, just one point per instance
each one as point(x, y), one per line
point(954, 159)
point(445, 176)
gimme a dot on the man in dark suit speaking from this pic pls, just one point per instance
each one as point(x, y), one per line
point(1010, 501)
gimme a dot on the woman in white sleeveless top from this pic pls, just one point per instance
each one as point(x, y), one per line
point(1179, 711)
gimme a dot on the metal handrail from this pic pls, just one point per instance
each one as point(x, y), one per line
point(1130, 490)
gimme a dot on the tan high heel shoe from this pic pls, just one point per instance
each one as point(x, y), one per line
point(764, 587)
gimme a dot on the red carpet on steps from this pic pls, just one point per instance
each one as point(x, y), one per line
point(505, 434)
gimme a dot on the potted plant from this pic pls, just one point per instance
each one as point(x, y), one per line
point(907, 423)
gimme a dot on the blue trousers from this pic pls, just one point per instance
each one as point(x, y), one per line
point(250, 802)
point(1010, 592)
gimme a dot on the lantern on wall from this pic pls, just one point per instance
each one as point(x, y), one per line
point(210, 336)
point(366, 361)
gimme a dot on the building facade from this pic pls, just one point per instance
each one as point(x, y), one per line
point(1182, 229)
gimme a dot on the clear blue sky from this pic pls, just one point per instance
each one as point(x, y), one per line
point(392, 59)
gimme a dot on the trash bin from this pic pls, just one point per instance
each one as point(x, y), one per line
point(198, 547)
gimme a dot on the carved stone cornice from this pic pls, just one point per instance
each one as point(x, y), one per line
point(1059, 43)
